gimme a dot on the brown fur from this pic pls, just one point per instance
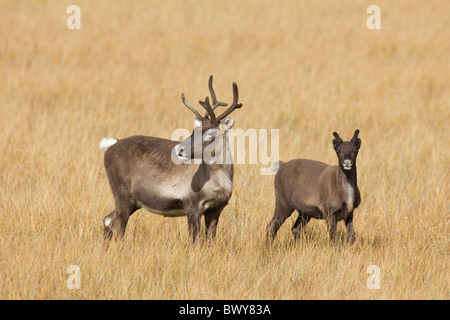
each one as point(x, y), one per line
point(141, 174)
point(318, 190)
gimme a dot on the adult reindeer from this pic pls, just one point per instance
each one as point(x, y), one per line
point(143, 172)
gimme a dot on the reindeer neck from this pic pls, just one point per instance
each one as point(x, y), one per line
point(217, 167)
point(350, 176)
point(224, 162)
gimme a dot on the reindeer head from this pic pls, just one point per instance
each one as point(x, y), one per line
point(210, 130)
point(347, 151)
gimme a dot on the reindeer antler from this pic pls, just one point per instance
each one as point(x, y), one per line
point(197, 114)
point(215, 103)
point(209, 110)
point(234, 105)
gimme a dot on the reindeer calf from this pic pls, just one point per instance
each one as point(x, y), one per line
point(318, 190)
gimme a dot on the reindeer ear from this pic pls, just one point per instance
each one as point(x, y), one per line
point(355, 135)
point(227, 124)
point(197, 122)
point(358, 143)
point(355, 140)
point(337, 141)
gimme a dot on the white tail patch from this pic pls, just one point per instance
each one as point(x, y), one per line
point(276, 166)
point(106, 143)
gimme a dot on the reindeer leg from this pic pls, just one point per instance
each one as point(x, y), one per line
point(332, 226)
point(115, 223)
point(282, 212)
point(211, 220)
point(194, 225)
point(301, 221)
point(349, 225)
point(107, 227)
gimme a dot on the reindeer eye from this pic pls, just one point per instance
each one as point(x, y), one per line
point(338, 151)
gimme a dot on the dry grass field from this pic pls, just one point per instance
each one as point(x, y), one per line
point(307, 68)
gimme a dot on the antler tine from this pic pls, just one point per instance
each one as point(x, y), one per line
point(215, 103)
point(197, 114)
point(234, 105)
point(205, 104)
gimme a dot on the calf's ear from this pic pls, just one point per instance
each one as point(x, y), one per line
point(355, 140)
point(337, 141)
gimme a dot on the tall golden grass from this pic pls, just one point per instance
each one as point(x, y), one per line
point(307, 68)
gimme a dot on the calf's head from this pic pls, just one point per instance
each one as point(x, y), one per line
point(347, 151)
